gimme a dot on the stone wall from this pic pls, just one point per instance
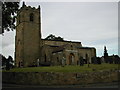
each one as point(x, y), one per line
point(28, 36)
point(59, 43)
point(91, 52)
point(59, 78)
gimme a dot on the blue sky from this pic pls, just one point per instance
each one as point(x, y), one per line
point(94, 24)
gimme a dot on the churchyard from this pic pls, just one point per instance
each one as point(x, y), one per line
point(69, 68)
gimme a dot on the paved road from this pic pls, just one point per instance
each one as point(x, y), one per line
point(34, 87)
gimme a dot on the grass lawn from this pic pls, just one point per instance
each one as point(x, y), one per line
point(84, 68)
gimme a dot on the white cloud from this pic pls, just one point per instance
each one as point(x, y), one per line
point(9, 50)
point(8, 43)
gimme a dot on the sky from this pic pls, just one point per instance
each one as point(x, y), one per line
point(94, 24)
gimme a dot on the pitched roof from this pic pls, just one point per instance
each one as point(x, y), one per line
point(85, 47)
point(62, 41)
point(59, 49)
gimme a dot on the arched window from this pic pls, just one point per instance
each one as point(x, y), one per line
point(57, 59)
point(71, 58)
point(31, 17)
point(71, 47)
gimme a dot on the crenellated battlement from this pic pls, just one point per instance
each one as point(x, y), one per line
point(25, 7)
point(29, 7)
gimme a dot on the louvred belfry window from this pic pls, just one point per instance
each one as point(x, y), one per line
point(31, 17)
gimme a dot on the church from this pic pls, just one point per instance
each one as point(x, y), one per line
point(32, 50)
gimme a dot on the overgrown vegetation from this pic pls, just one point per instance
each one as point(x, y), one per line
point(53, 37)
point(91, 68)
point(7, 63)
point(9, 11)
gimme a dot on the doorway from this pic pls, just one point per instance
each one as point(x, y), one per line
point(71, 58)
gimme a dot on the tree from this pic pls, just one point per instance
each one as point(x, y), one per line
point(7, 63)
point(3, 58)
point(98, 60)
point(9, 10)
point(10, 59)
point(105, 54)
point(53, 37)
point(94, 60)
point(116, 59)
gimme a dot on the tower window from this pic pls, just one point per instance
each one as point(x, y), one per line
point(31, 17)
point(71, 47)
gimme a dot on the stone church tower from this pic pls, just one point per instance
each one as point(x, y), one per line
point(31, 50)
point(28, 36)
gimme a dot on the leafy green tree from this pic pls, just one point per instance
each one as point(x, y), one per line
point(98, 60)
point(53, 37)
point(9, 11)
point(9, 63)
point(3, 58)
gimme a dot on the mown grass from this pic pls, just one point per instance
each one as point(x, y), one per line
point(91, 68)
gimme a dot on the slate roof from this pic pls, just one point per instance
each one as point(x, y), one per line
point(59, 49)
point(85, 47)
point(63, 41)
